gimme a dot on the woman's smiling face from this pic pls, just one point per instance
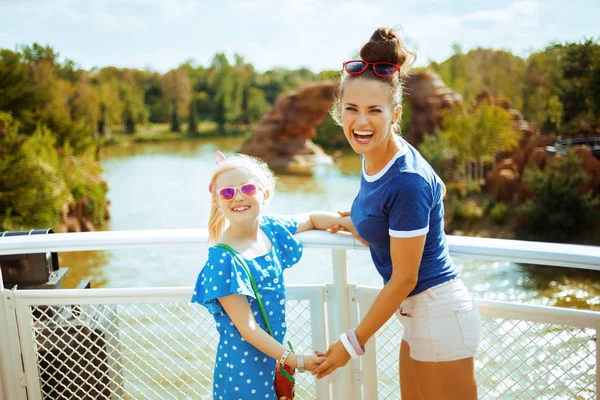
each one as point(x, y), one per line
point(368, 114)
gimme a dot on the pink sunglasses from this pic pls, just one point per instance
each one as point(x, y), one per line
point(247, 190)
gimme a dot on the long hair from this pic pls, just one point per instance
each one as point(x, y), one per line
point(255, 167)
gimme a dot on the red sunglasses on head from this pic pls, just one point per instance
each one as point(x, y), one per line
point(381, 69)
point(247, 190)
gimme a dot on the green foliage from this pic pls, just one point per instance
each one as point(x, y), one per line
point(497, 71)
point(31, 189)
point(557, 212)
point(498, 213)
point(472, 188)
point(438, 153)
point(193, 119)
point(455, 190)
point(478, 134)
point(466, 211)
point(557, 88)
point(578, 61)
point(82, 178)
point(175, 126)
point(330, 135)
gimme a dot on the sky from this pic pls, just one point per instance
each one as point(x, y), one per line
point(316, 34)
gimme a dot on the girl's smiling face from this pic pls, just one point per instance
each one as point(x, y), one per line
point(240, 208)
point(368, 114)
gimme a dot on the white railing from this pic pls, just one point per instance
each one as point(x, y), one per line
point(151, 343)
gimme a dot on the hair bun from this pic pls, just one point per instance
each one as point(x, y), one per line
point(386, 46)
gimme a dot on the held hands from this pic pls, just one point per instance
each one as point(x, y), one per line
point(346, 225)
point(312, 362)
point(337, 357)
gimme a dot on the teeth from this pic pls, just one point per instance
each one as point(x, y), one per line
point(363, 133)
point(242, 208)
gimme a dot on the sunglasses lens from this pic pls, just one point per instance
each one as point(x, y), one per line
point(248, 190)
point(385, 69)
point(355, 67)
point(227, 193)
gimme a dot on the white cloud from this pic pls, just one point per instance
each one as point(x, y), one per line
point(289, 33)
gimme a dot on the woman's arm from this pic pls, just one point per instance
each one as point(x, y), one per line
point(238, 309)
point(406, 256)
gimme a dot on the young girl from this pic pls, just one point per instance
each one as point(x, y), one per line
point(247, 354)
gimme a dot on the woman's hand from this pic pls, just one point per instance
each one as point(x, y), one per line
point(312, 362)
point(337, 357)
point(346, 225)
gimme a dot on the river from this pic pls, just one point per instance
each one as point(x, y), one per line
point(164, 186)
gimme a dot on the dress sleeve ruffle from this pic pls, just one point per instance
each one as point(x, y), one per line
point(222, 275)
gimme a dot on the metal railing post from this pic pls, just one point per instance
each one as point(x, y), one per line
point(11, 369)
point(598, 362)
point(28, 350)
point(343, 385)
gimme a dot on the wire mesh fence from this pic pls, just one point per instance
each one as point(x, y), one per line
point(139, 351)
point(516, 360)
point(164, 349)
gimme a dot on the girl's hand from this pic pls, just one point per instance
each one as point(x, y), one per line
point(337, 357)
point(346, 225)
point(312, 362)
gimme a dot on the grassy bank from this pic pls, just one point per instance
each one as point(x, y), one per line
point(162, 132)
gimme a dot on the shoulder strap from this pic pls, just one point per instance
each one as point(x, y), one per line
point(252, 282)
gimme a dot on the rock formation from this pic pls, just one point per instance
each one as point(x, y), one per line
point(74, 217)
point(283, 136)
point(427, 96)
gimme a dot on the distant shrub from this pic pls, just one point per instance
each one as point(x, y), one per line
point(466, 211)
point(498, 213)
point(556, 212)
point(456, 190)
point(472, 188)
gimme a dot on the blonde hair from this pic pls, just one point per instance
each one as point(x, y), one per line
point(255, 167)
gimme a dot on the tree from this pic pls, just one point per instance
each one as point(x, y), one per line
point(579, 62)
point(478, 134)
point(556, 212)
point(176, 88)
point(31, 189)
point(193, 119)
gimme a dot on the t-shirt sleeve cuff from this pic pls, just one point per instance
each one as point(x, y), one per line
point(409, 234)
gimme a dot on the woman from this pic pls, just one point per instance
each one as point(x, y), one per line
point(399, 211)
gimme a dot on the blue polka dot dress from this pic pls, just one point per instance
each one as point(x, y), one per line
point(242, 371)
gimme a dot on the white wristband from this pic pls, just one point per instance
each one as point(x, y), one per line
point(349, 348)
point(300, 363)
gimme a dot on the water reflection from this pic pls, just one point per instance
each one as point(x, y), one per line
point(84, 265)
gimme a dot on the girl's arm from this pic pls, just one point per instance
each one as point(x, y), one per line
point(319, 220)
point(406, 258)
point(326, 220)
point(238, 309)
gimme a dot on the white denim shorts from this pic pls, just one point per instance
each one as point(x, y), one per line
point(442, 323)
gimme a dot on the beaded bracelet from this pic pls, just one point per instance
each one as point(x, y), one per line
point(360, 350)
point(348, 345)
point(285, 354)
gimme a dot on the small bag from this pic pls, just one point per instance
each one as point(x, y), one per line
point(284, 374)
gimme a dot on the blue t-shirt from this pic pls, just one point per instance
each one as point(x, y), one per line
point(404, 200)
